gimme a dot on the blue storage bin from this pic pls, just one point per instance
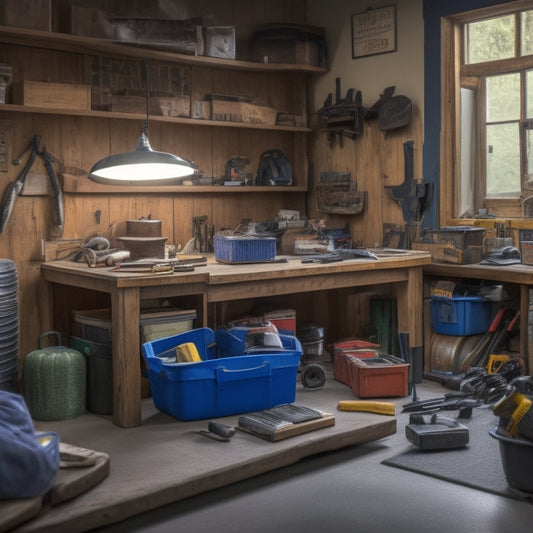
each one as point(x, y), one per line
point(242, 249)
point(220, 386)
point(460, 315)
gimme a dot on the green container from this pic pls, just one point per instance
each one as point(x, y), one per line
point(55, 381)
point(99, 374)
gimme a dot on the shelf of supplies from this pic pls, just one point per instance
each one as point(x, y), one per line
point(141, 117)
point(81, 184)
point(65, 42)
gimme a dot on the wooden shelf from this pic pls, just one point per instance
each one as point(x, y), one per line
point(90, 45)
point(83, 185)
point(140, 117)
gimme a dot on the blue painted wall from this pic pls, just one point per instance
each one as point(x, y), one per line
point(433, 12)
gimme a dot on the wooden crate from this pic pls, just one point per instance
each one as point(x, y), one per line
point(236, 109)
point(56, 95)
point(33, 14)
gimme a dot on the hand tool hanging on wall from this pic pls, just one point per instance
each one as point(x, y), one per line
point(344, 117)
point(413, 197)
point(14, 189)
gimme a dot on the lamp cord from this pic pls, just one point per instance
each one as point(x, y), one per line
point(144, 76)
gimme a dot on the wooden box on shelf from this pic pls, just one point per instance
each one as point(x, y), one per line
point(56, 95)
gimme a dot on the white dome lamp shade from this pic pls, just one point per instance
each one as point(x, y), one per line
point(143, 166)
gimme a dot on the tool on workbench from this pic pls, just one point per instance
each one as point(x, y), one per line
point(284, 421)
point(368, 406)
point(218, 431)
point(439, 433)
point(413, 197)
point(14, 189)
point(340, 254)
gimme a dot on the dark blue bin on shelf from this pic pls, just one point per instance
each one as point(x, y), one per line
point(220, 386)
point(460, 315)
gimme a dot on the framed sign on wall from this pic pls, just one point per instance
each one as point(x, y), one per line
point(374, 32)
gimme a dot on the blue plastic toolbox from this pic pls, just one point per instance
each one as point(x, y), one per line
point(460, 315)
point(220, 386)
point(243, 249)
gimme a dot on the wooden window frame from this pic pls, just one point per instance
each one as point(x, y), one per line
point(454, 77)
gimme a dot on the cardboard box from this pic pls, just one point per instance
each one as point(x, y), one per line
point(223, 386)
point(241, 109)
point(90, 22)
point(180, 36)
point(448, 253)
point(56, 95)
point(33, 14)
point(219, 41)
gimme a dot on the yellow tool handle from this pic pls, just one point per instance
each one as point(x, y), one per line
point(380, 408)
point(187, 353)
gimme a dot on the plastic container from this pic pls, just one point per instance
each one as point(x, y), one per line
point(371, 376)
point(95, 324)
point(99, 374)
point(220, 386)
point(380, 376)
point(242, 249)
point(517, 460)
point(355, 347)
point(460, 315)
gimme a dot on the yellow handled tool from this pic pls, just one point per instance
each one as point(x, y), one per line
point(187, 353)
point(380, 408)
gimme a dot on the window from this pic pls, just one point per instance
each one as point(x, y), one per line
point(490, 55)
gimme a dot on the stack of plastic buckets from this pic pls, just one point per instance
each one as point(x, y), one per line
point(9, 326)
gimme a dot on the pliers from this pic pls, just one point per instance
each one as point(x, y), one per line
point(14, 189)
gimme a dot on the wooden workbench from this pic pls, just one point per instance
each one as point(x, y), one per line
point(519, 275)
point(218, 282)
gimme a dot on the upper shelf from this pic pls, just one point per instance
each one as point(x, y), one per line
point(75, 43)
point(153, 118)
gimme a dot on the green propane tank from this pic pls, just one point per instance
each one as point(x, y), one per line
point(55, 381)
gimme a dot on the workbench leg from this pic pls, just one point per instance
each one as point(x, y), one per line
point(409, 302)
point(125, 315)
point(524, 329)
point(409, 298)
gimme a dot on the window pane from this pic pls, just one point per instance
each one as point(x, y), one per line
point(529, 94)
point(503, 160)
point(503, 97)
point(529, 148)
point(491, 39)
point(526, 45)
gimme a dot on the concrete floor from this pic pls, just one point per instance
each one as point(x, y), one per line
point(344, 490)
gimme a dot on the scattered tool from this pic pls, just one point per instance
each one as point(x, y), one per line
point(284, 421)
point(440, 433)
point(340, 254)
point(516, 411)
point(218, 431)
point(461, 402)
point(368, 406)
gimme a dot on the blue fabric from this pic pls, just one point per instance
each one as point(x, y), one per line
point(29, 460)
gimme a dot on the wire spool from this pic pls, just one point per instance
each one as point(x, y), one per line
point(449, 351)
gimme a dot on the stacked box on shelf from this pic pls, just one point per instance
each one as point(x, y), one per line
point(220, 386)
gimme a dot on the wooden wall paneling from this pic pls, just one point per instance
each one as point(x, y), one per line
point(367, 227)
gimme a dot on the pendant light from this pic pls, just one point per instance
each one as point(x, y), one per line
point(143, 166)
